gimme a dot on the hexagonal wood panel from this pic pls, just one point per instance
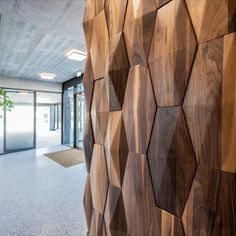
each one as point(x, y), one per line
point(117, 72)
point(99, 178)
point(138, 109)
point(87, 201)
point(138, 29)
point(171, 160)
point(116, 148)
point(212, 18)
point(165, 223)
point(115, 15)
point(115, 219)
point(138, 195)
point(211, 207)
point(172, 53)
point(99, 45)
point(99, 111)
point(88, 142)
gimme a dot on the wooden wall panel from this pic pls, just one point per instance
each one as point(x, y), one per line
point(160, 134)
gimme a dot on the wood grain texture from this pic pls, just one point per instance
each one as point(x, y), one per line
point(97, 227)
point(88, 21)
point(99, 111)
point(160, 3)
point(171, 160)
point(87, 201)
point(164, 224)
point(115, 219)
point(99, 178)
point(98, 6)
point(212, 18)
point(99, 45)
point(117, 72)
point(211, 207)
point(138, 29)
point(88, 142)
point(138, 195)
point(138, 109)
point(116, 148)
point(172, 52)
point(228, 138)
point(88, 81)
point(115, 15)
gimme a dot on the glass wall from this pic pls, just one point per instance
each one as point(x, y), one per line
point(1, 131)
point(19, 122)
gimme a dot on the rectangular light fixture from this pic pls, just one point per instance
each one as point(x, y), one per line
point(47, 76)
point(76, 55)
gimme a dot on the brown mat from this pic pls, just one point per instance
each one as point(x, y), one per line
point(67, 158)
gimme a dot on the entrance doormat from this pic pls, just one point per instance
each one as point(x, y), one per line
point(67, 158)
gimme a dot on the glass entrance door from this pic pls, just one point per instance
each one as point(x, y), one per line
point(20, 122)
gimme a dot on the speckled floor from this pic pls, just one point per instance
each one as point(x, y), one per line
point(39, 197)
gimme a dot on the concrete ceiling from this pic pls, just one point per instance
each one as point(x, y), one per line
point(35, 35)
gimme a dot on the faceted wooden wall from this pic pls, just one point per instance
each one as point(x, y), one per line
point(160, 133)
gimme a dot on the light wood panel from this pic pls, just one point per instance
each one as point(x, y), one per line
point(160, 3)
point(138, 109)
point(171, 160)
point(97, 227)
point(172, 53)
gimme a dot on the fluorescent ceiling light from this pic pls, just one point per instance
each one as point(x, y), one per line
point(47, 76)
point(76, 55)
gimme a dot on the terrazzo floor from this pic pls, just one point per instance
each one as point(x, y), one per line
point(39, 197)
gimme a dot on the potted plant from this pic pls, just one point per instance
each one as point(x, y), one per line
point(5, 102)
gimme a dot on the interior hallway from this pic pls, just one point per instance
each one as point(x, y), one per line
point(40, 197)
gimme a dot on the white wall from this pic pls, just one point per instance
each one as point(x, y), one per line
point(28, 84)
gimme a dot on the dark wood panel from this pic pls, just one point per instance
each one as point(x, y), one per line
point(88, 81)
point(88, 142)
point(87, 201)
point(171, 160)
point(138, 195)
point(115, 15)
point(164, 224)
point(117, 74)
point(116, 148)
point(212, 18)
point(97, 227)
point(138, 109)
point(211, 207)
point(99, 178)
point(99, 111)
point(115, 219)
point(202, 105)
point(138, 29)
point(99, 45)
point(172, 53)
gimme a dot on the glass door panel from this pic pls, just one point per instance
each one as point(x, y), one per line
point(80, 115)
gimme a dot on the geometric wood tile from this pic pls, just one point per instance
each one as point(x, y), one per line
point(99, 111)
point(88, 21)
point(160, 3)
point(87, 201)
point(138, 29)
point(116, 148)
point(88, 141)
point(88, 83)
point(212, 18)
point(115, 15)
point(97, 227)
point(99, 178)
point(211, 206)
point(171, 160)
point(98, 5)
point(172, 52)
point(138, 109)
point(165, 223)
point(99, 45)
point(138, 195)
point(210, 104)
point(117, 72)
point(115, 219)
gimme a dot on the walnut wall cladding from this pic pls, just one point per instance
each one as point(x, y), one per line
point(160, 136)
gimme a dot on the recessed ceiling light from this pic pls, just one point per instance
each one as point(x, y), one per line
point(47, 76)
point(77, 55)
point(79, 73)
